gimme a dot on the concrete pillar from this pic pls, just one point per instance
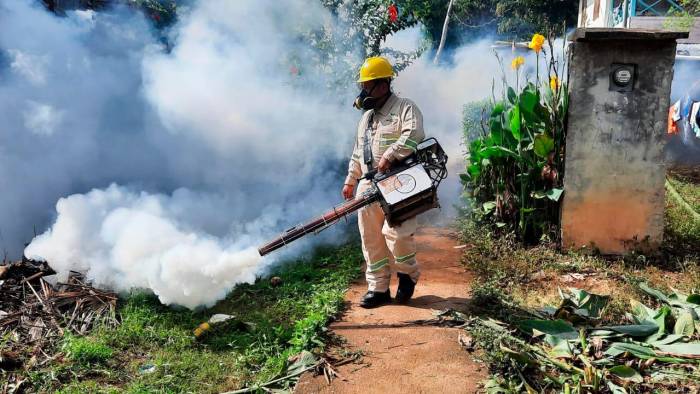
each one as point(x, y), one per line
point(614, 179)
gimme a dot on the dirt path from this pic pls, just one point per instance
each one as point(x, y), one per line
point(408, 358)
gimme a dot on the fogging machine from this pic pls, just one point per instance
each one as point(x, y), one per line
point(406, 190)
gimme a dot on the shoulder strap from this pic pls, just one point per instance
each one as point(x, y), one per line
point(367, 145)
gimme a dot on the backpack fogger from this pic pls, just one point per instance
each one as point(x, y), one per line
point(408, 189)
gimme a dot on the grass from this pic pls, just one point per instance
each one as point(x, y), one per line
point(154, 350)
point(85, 350)
point(511, 280)
point(682, 232)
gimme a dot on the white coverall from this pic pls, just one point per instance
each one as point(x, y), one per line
point(396, 130)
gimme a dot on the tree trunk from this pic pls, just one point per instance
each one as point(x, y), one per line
point(444, 33)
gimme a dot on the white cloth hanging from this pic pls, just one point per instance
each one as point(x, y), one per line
point(693, 119)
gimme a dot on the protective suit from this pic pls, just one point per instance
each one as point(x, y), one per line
point(393, 132)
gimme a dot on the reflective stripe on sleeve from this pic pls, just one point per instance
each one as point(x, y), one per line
point(408, 143)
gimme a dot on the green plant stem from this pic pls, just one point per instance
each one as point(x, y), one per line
point(537, 70)
point(521, 224)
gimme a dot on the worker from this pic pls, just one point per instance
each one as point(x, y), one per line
point(389, 131)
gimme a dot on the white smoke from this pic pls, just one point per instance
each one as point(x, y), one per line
point(228, 145)
point(177, 164)
point(441, 92)
point(125, 240)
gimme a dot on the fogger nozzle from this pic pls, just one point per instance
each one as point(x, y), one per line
point(315, 225)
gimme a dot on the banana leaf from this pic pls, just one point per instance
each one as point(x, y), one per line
point(557, 328)
point(642, 313)
point(580, 302)
point(660, 320)
point(689, 350)
point(693, 299)
point(643, 352)
point(676, 299)
point(626, 373)
point(605, 334)
point(561, 348)
point(667, 340)
point(634, 330)
point(615, 389)
point(674, 375)
point(685, 324)
point(654, 293)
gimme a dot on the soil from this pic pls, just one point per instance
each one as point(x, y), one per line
point(398, 354)
point(690, 174)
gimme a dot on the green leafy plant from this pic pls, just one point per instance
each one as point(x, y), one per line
point(682, 18)
point(372, 21)
point(515, 167)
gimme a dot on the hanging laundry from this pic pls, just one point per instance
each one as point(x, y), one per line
point(674, 115)
point(694, 118)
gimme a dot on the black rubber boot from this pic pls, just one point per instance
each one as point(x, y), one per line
point(374, 299)
point(406, 287)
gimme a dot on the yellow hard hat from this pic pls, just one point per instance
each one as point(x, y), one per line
point(375, 67)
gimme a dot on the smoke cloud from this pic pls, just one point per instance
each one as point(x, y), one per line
point(441, 92)
point(170, 166)
point(213, 146)
point(125, 239)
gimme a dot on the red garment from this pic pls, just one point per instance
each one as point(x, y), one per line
point(673, 117)
point(672, 127)
point(393, 13)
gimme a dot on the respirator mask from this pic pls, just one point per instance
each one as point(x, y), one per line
point(365, 101)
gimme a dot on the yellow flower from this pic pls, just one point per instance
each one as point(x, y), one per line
point(517, 62)
point(554, 83)
point(537, 42)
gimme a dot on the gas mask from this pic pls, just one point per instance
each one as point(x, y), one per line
point(365, 101)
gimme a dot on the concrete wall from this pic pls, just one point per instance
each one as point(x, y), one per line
point(614, 182)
